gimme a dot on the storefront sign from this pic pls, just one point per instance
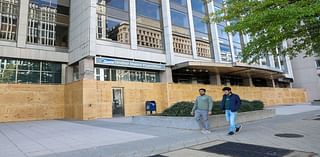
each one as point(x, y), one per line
point(129, 63)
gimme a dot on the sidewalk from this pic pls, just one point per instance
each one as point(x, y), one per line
point(107, 138)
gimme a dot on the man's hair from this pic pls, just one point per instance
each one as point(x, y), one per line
point(202, 89)
point(226, 88)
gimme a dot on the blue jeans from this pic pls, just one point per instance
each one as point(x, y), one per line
point(202, 118)
point(231, 117)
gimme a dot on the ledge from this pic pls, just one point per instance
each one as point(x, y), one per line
point(190, 123)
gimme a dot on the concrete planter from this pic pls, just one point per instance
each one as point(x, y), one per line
point(190, 123)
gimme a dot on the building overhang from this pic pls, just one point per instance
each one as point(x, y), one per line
point(239, 69)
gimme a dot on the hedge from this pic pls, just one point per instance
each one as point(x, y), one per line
point(183, 108)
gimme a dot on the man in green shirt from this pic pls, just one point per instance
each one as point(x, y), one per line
point(202, 109)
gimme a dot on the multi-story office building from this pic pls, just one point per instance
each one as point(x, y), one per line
point(307, 75)
point(59, 41)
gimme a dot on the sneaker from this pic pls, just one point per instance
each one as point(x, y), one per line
point(231, 133)
point(239, 128)
point(203, 131)
point(208, 131)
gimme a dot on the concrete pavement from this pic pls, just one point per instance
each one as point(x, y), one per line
point(109, 138)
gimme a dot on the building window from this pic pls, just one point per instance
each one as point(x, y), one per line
point(179, 2)
point(112, 74)
point(149, 25)
point(179, 19)
point(201, 28)
point(8, 19)
point(113, 20)
point(148, 9)
point(237, 46)
point(198, 6)
point(318, 63)
point(29, 71)
point(48, 23)
point(200, 25)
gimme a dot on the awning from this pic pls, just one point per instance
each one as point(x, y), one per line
point(239, 69)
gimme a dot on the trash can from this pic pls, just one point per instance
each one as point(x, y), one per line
point(151, 106)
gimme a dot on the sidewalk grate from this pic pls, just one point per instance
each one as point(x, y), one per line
point(289, 135)
point(246, 150)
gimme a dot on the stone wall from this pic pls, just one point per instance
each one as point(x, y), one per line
point(90, 99)
point(22, 102)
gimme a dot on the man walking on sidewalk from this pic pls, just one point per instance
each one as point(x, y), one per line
point(202, 109)
point(230, 104)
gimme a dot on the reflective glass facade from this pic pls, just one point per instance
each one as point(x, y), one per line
point(29, 71)
point(113, 20)
point(117, 74)
point(48, 23)
point(9, 11)
point(149, 24)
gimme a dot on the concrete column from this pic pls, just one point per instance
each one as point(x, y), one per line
point(215, 79)
point(23, 23)
point(250, 81)
point(271, 60)
point(214, 35)
point(63, 73)
point(273, 84)
point(93, 28)
point(192, 33)
point(133, 24)
point(69, 74)
point(231, 45)
point(288, 61)
point(167, 32)
point(166, 76)
point(86, 69)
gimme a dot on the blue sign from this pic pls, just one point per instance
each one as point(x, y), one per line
point(129, 63)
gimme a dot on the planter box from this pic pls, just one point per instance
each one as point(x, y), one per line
point(190, 122)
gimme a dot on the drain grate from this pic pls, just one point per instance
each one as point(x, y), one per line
point(289, 135)
point(246, 150)
point(158, 156)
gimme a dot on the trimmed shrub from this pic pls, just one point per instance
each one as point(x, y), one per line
point(183, 108)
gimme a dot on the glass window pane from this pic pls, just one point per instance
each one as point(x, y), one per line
point(29, 65)
point(198, 5)
point(107, 74)
point(199, 25)
point(180, 2)
point(49, 77)
point(7, 75)
point(179, 19)
point(48, 23)
point(148, 9)
point(8, 21)
point(119, 4)
point(28, 77)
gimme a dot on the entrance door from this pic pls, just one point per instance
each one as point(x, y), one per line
point(117, 102)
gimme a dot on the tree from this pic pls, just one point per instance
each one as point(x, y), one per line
point(270, 22)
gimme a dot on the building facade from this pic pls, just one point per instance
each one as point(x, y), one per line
point(62, 41)
point(307, 75)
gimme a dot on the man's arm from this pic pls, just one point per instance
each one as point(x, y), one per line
point(238, 102)
point(222, 103)
point(194, 106)
point(210, 104)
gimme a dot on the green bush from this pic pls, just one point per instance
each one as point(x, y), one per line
point(183, 108)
